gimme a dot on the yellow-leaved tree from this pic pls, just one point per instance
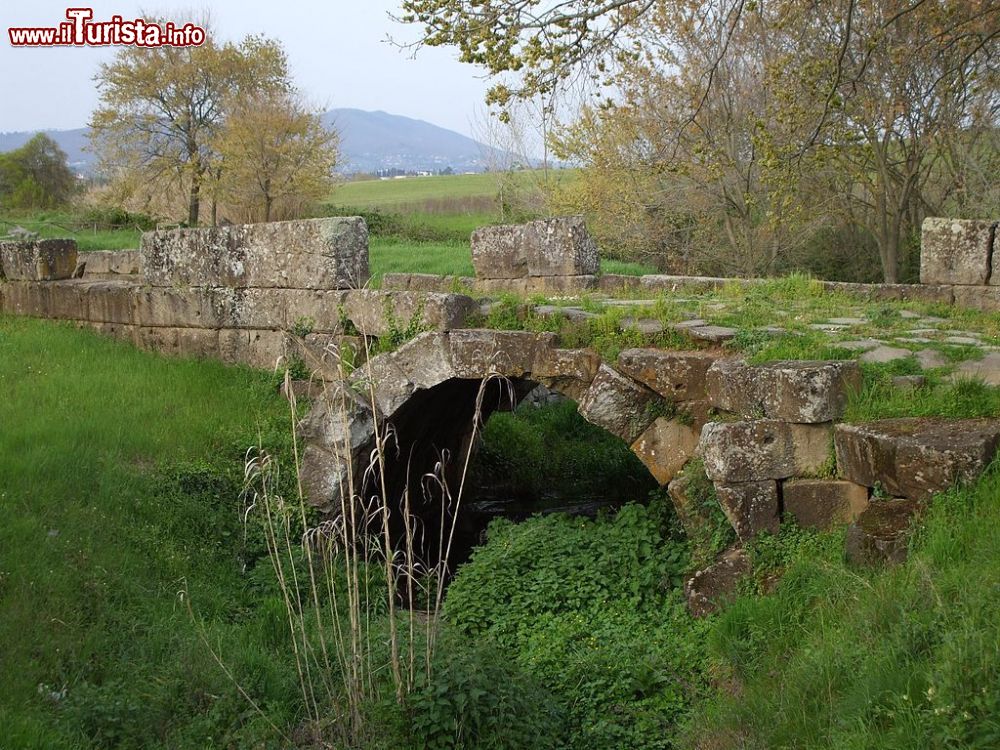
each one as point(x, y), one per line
point(276, 157)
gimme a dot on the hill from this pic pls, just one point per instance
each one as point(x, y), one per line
point(370, 141)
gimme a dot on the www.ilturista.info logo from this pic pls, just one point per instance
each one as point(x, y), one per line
point(81, 31)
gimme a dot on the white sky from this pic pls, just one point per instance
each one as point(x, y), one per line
point(336, 50)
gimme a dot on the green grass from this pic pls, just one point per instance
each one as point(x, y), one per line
point(448, 193)
point(389, 255)
point(119, 481)
point(67, 224)
point(841, 658)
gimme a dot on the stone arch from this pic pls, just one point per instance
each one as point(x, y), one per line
point(427, 391)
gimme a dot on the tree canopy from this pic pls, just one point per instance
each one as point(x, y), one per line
point(36, 175)
point(163, 110)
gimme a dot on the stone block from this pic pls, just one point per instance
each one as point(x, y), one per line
point(376, 313)
point(823, 503)
point(916, 457)
point(620, 405)
point(38, 260)
point(808, 392)
point(548, 247)
point(983, 298)
point(677, 376)
point(329, 253)
point(715, 586)
point(665, 447)
point(751, 507)
point(568, 371)
point(881, 535)
point(753, 451)
point(478, 352)
point(956, 251)
point(113, 302)
point(105, 264)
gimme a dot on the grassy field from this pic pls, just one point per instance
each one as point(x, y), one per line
point(120, 474)
point(64, 224)
point(460, 193)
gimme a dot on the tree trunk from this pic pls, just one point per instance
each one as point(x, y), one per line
point(194, 202)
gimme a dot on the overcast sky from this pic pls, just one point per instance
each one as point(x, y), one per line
point(337, 52)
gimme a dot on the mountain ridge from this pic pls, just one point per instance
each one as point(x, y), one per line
point(370, 141)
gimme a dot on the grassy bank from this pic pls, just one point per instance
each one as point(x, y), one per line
point(119, 483)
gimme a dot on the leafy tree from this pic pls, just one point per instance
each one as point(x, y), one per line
point(36, 175)
point(162, 109)
point(275, 155)
point(771, 116)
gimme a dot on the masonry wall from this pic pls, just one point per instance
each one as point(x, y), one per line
point(231, 293)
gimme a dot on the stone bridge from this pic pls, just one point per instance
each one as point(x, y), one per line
point(770, 436)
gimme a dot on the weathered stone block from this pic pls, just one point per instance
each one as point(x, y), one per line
point(984, 298)
point(114, 302)
point(66, 300)
point(955, 251)
point(751, 507)
point(808, 392)
point(547, 247)
point(476, 353)
point(665, 447)
point(677, 376)
point(38, 260)
point(104, 264)
point(201, 343)
point(764, 449)
point(916, 457)
point(327, 253)
point(823, 503)
point(715, 586)
point(376, 313)
point(882, 533)
point(620, 405)
point(568, 371)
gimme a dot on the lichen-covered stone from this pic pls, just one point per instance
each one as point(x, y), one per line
point(751, 507)
point(881, 534)
point(377, 313)
point(709, 589)
point(677, 376)
point(753, 451)
point(916, 457)
point(329, 253)
point(38, 260)
point(477, 353)
point(568, 371)
point(548, 247)
point(823, 503)
point(334, 432)
point(807, 392)
point(956, 251)
point(665, 446)
point(109, 264)
point(620, 405)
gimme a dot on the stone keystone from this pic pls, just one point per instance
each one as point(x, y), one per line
point(548, 247)
point(765, 449)
point(39, 260)
point(807, 392)
point(956, 251)
point(677, 376)
point(618, 404)
point(916, 457)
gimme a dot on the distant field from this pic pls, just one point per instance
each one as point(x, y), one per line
point(65, 224)
point(443, 192)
